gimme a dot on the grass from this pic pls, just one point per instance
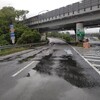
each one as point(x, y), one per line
point(18, 49)
point(11, 50)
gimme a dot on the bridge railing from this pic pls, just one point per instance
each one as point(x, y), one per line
point(77, 8)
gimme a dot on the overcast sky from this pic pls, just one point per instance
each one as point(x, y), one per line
point(36, 6)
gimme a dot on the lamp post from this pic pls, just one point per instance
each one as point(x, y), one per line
point(38, 16)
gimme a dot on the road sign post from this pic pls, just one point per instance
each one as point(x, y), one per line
point(12, 34)
point(13, 40)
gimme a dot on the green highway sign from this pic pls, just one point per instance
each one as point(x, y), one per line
point(80, 34)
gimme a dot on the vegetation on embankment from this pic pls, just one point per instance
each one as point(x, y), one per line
point(11, 50)
point(23, 34)
point(66, 36)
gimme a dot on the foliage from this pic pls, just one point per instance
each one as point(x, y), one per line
point(53, 34)
point(66, 36)
point(23, 34)
point(19, 30)
point(8, 14)
point(3, 40)
point(21, 14)
point(11, 50)
point(29, 37)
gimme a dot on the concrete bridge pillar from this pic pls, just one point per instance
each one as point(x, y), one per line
point(43, 36)
point(79, 28)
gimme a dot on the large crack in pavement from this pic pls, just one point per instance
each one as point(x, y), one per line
point(33, 56)
point(72, 72)
point(66, 68)
point(10, 58)
point(44, 66)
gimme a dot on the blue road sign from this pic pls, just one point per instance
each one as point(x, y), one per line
point(11, 26)
point(12, 35)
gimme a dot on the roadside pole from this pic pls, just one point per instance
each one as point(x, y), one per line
point(12, 34)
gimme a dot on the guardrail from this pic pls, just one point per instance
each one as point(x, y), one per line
point(84, 6)
point(23, 45)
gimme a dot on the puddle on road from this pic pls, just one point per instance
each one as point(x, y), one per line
point(68, 69)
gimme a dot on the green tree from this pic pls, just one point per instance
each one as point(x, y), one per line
point(3, 40)
point(29, 37)
point(66, 37)
point(21, 14)
point(8, 16)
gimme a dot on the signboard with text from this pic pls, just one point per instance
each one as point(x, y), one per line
point(80, 34)
point(12, 34)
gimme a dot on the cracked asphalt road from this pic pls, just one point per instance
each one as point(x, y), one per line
point(48, 73)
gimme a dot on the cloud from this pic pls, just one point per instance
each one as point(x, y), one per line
point(35, 6)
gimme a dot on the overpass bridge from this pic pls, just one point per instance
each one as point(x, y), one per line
point(75, 16)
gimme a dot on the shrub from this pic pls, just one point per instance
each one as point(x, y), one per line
point(3, 41)
point(29, 37)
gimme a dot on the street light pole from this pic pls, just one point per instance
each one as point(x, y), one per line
point(38, 16)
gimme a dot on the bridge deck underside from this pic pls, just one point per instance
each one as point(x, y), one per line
point(88, 20)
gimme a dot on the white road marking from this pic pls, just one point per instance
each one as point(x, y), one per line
point(23, 69)
point(96, 65)
point(93, 60)
point(91, 57)
point(88, 62)
point(89, 54)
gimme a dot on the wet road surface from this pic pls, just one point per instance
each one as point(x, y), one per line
point(92, 55)
point(51, 74)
